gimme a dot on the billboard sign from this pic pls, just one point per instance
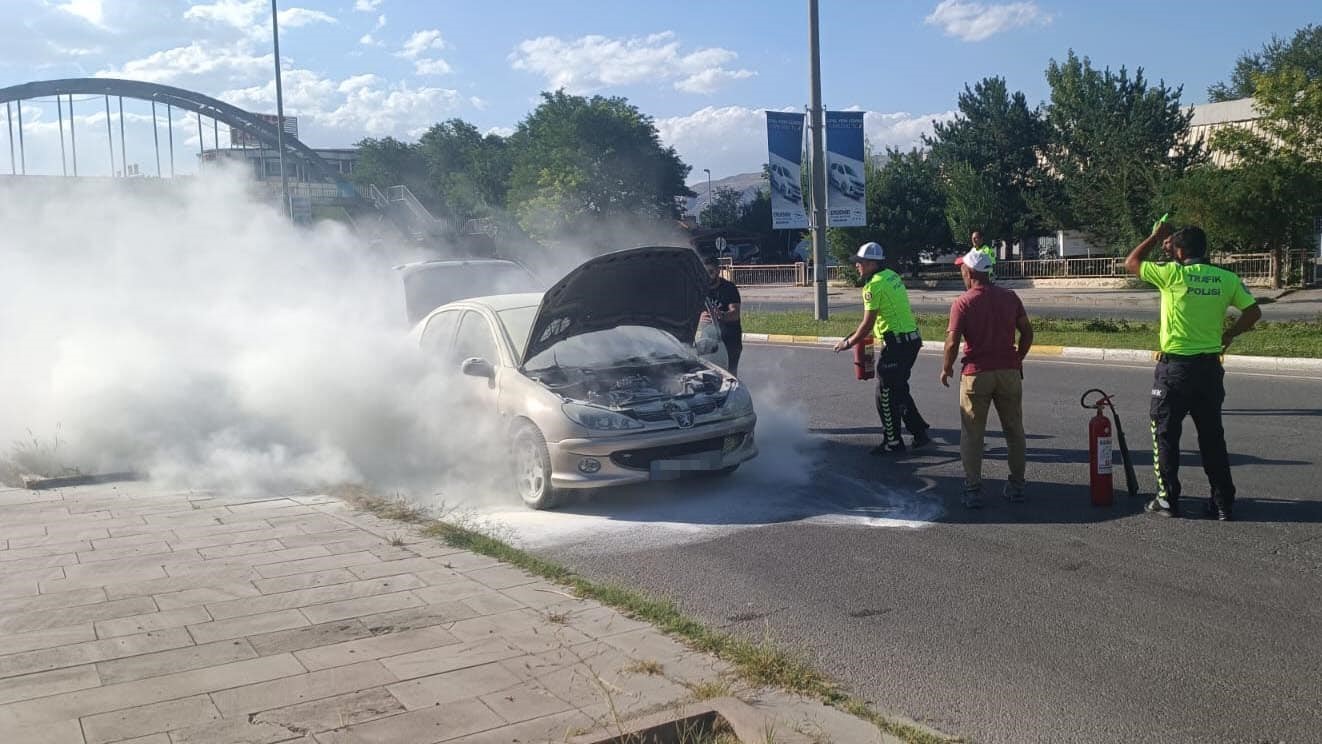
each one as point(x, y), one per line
point(785, 148)
point(846, 203)
point(240, 138)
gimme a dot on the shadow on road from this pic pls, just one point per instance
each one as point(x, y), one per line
point(1271, 411)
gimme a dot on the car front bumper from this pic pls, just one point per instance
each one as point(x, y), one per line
point(647, 456)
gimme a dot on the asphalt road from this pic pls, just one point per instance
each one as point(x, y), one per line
point(1046, 303)
point(1050, 621)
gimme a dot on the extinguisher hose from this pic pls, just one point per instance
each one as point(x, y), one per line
point(1105, 400)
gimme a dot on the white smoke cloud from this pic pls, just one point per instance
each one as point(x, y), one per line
point(185, 329)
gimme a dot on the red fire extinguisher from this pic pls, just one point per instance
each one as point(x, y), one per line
point(1100, 450)
point(865, 364)
point(1099, 457)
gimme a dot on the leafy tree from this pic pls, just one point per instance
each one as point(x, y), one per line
point(1268, 196)
point(468, 171)
point(1114, 143)
point(389, 162)
point(723, 209)
point(1302, 52)
point(996, 137)
point(581, 161)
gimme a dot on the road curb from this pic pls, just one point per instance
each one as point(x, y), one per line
point(1231, 361)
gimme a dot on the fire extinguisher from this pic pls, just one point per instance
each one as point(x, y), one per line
point(865, 364)
point(1100, 451)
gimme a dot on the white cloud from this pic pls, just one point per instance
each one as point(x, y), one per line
point(92, 11)
point(594, 62)
point(478, 103)
point(421, 42)
point(197, 60)
point(295, 17)
point(367, 6)
point(975, 21)
point(500, 131)
point(380, 22)
point(368, 40)
point(431, 67)
point(252, 17)
point(356, 105)
point(733, 139)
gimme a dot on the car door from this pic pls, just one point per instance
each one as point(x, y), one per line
point(474, 339)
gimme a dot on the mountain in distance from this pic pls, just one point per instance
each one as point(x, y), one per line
point(747, 184)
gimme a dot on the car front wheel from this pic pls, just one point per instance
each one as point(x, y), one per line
point(532, 468)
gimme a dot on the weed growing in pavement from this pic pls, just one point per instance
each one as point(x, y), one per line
point(712, 688)
point(396, 541)
point(34, 456)
point(650, 667)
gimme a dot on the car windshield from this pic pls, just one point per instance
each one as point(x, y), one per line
point(612, 347)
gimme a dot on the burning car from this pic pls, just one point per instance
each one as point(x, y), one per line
point(592, 380)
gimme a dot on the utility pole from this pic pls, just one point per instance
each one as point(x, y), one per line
point(818, 159)
point(708, 172)
point(280, 111)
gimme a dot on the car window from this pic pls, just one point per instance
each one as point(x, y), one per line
point(518, 324)
point(474, 339)
point(428, 286)
point(614, 346)
point(438, 334)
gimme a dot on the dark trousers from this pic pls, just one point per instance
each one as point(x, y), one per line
point(894, 402)
point(1193, 386)
point(734, 348)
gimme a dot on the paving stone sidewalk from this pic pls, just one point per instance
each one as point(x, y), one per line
point(133, 613)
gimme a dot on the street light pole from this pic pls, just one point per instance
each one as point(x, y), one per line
point(820, 311)
point(708, 172)
point(280, 111)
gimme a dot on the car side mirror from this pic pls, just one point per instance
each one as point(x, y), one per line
point(705, 346)
point(478, 367)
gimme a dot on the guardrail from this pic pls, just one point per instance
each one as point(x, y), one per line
point(1257, 269)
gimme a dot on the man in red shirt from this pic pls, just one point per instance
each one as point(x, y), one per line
point(986, 318)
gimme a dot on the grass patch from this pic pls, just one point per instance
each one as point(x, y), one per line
point(1294, 338)
point(759, 663)
point(650, 667)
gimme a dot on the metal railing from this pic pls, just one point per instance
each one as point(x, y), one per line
point(1256, 269)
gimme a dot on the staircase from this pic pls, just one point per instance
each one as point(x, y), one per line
point(409, 214)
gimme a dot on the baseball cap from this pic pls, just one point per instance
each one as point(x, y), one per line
point(976, 260)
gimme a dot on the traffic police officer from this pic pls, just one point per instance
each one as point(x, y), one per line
point(981, 247)
point(887, 317)
point(1189, 379)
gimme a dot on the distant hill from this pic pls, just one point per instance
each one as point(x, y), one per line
point(747, 184)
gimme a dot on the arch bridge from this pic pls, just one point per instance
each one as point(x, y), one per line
point(252, 125)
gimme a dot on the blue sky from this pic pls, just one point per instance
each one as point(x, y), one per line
point(704, 70)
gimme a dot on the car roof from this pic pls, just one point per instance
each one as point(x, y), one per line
point(457, 262)
point(501, 302)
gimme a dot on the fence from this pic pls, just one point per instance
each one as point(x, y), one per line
point(1258, 269)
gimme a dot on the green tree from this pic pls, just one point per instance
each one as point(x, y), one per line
point(579, 162)
point(1302, 52)
point(996, 136)
point(389, 162)
point(469, 172)
point(724, 208)
point(1271, 191)
point(1114, 143)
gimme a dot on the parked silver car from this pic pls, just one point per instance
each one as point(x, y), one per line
point(595, 382)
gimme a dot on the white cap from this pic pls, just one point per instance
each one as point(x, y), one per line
point(870, 252)
point(976, 260)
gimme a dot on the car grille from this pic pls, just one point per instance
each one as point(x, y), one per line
point(641, 459)
point(697, 409)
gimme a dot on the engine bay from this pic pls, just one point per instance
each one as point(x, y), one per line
point(621, 388)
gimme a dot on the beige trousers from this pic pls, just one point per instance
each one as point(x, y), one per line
point(1004, 389)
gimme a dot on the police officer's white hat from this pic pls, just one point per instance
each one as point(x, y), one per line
point(976, 260)
point(870, 252)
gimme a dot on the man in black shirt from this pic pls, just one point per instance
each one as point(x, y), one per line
point(723, 298)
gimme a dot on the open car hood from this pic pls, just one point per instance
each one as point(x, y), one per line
point(658, 287)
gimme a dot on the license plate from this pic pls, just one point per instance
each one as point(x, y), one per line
point(662, 469)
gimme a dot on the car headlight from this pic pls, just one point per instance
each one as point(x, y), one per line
point(738, 402)
point(599, 419)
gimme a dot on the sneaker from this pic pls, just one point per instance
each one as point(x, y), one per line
point(1014, 494)
point(972, 498)
point(1162, 508)
point(886, 448)
point(1213, 510)
point(921, 440)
